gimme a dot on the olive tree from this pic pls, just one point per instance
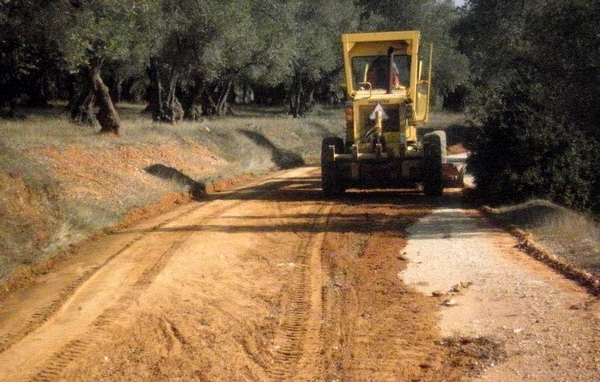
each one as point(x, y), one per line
point(92, 34)
point(317, 60)
point(29, 56)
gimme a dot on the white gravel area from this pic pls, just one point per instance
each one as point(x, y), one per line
point(549, 326)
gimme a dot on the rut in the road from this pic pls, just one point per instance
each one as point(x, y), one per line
point(298, 338)
point(387, 330)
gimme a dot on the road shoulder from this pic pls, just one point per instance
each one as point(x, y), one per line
point(488, 288)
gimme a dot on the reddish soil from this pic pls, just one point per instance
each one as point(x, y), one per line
point(269, 282)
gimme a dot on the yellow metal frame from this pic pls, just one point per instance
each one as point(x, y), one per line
point(377, 44)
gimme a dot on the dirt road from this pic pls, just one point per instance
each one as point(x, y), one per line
point(266, 283)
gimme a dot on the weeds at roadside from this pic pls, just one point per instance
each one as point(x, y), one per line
point(572, 236)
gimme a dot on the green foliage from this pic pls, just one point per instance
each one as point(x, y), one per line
point(208, 37)
point(565, 41)
point(97, 30)
point(24, 49)
point(318, 30)
point(205, 44)
point(523, 151)
point(534, 96)
point(310, 51)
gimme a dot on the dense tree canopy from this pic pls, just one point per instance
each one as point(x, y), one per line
point(187, 58)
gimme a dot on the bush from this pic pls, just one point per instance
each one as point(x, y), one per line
point(523, 150)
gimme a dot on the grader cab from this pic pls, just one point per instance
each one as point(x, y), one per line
point(388, 99)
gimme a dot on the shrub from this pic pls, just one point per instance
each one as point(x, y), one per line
point(523, 150)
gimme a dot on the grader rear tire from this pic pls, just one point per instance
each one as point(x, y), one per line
point(434, 148)
point(331, 180)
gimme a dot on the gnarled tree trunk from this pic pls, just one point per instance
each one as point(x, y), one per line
point(107, 114)
point(223, 103)
point(93, 92)
point(192, 103)
point(301, 97)
point(154, 93)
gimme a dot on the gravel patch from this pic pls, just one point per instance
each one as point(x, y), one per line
point(486, 287)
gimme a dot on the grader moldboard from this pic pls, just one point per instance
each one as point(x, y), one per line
point(388, 99)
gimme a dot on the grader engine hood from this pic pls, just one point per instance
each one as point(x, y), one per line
point(388, 119)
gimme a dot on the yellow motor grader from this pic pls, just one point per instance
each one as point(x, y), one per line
point(388, 99)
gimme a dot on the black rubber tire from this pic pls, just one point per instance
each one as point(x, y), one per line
point(434, 149)
point(331, 180)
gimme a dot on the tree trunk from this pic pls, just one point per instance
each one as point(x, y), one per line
point(192, 107)
point(107, 114)
point(115, 85)
point(223, 105)
point(302, 96)
point(209, 106)
point(82, 104)
point(173, 109)
point(296, 97)
point(155, 91)
point(37, 91)
point(164, 107)
point(308, 101)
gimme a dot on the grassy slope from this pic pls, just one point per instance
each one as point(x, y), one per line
point(61, 182)
point(573, 237)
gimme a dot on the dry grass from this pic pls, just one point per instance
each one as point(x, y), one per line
point(574, 238)
point(61, 182)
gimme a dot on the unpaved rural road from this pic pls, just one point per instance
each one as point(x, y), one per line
point(272, 283)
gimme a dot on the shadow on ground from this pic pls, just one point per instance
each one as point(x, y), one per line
point(359, 211)
point(197, 190)
point(284, 159)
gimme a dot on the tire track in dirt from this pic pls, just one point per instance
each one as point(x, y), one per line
point(298, 338)
point(73, 348)
point(377, 329)
point(47, 311)
point(76, 347)
point(287, 288)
